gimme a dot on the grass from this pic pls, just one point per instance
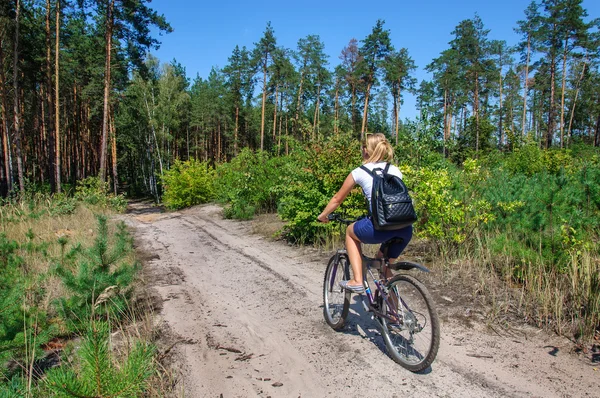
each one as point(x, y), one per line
point(566, 302)
point(47, 227)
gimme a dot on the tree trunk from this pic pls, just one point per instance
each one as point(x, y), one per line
point(103, 145)
point(50, 104)
point(113, 141)
point(562, 95)
point(264, 100)
point(237, 127)
point(525, 86)
point(275, 115)
point(336, 118)
point(316, 116)
point(445, 119)
point(287, 136)
point(476, 113)
point(550, 132)
point(353, 101)
point(57, 100)
point(363, 129)
point(5, 132)
point(219, 148)
point(397, 101)
point(597, 138)
point(575, 102)
point(501, 113)
point(280, 122)
point(299, 104)
point(17, 106)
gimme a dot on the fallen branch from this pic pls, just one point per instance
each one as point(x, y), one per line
point(244, 357)
point(479, 356)
point(230, 349)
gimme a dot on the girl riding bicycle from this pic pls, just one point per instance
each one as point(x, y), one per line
point(376, 151)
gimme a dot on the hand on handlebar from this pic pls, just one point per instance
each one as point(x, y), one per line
point(323, 218)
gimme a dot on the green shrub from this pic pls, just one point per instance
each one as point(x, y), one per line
point(239, 210)
point(93, 191)
point(248, 183)
point(317, 174)
point(187, 184)
point(22, 319)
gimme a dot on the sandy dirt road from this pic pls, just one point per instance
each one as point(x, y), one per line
point(248, 314)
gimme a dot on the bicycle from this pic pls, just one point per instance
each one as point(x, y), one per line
point(402, 305)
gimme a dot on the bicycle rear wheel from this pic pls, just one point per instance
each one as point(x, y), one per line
point(336, 301)
point(413, 339)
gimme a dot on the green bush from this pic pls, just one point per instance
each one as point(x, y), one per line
point(318, 173)
point(248, 183)
point(22, 319)
point(187, 184)
point(93, 191)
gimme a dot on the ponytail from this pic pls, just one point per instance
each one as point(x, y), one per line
point(378, 149)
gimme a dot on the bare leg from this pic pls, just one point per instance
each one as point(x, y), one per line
point(353, 247)
point(393, 300)
point(387, 272)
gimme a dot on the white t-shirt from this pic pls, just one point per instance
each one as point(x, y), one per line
point(365, 180)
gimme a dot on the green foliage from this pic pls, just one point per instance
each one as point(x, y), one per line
point(22, 319)
point(98, 280)
point(188, 183)
point(93, 191)
point(475, 139)
point(319, 172)
point(98, 373)
point(97, 277)
point(248, 183)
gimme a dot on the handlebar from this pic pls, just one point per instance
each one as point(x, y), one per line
point(338, 218)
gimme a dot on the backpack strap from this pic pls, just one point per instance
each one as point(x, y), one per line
point(372, 173)
point(367, 170)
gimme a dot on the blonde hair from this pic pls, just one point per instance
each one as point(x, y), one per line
point(378, 149)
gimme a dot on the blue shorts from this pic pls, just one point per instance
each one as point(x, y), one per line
point(364, 230)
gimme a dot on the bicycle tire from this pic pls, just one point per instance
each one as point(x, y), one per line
point(336, 301)
point(416, 311)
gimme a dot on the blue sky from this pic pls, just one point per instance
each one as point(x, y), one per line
point(205, 32)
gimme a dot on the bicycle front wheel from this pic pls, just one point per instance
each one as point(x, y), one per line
point(336, 301)
point(411, 330)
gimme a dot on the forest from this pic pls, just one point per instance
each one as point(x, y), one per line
point(81, 94)
point(503, 160)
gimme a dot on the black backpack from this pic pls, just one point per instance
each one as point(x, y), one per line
point(391, 205)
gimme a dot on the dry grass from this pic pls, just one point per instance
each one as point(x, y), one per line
point(565, 302)
point(19, 222)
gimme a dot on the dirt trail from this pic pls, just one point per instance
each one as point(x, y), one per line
point(248, 313)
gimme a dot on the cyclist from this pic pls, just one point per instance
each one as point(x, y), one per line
point(376, 151)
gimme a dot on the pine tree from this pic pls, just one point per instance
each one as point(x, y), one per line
point(263, 56)
point(471, 43)
point(351, 60)
point(98, 374)
point(374, 50)
point(398, 68)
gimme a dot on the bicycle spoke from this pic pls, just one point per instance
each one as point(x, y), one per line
point(411, 330)
point(336, 301)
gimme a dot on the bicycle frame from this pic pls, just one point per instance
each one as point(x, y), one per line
point(367, 263)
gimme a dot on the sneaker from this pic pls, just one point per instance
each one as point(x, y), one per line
point(352, 288)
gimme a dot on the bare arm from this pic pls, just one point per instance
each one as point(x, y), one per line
point(337, 199)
